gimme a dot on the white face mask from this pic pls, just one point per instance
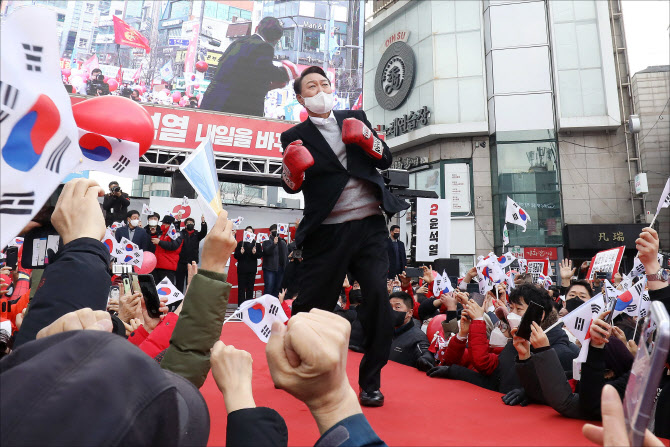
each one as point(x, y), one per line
point(513, 320)
point(497, 338)
point(134, 222)
point(153, 223)
point(320, 103)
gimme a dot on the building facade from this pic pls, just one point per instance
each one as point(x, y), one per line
point(487, 99)
point(651, 90)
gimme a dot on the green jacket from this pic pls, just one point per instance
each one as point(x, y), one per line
point(198, 327)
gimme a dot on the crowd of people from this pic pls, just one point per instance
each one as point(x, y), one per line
point(447, 335)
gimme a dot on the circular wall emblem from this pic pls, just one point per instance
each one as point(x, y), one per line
point(395, 75)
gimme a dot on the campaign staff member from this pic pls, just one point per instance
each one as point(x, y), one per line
point(333, 158)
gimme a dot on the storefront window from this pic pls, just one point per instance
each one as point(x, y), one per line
point(287, 39)
point(312, 40)
point(527, 172)
point(179, 10)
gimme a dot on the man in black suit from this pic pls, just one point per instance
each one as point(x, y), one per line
point(246, 72)
point(133, 232)
point(333, 158)
point(397, 255)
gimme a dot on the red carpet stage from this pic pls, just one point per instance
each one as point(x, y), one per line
point(419, 411)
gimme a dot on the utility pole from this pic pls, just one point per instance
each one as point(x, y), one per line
point(326, 55)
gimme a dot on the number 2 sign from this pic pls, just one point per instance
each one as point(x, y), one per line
point(433, 228)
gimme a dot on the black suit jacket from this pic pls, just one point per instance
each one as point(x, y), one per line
point(394, 267)
point(325, 181)
point(140, 237)
point(243, 78)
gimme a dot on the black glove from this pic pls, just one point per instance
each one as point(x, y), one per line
point(516, 397)
point(423, 365)
point(438, 371)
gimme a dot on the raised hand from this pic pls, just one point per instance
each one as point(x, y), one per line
point(566, 271)
point(81, 319)
point(219, 244)
point(521, 345)
point(78, 214)
point(232, 373)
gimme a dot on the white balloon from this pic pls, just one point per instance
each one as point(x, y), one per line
point(76, 81)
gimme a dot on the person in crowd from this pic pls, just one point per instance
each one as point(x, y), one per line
point(153, 230)
point(275, 257)
point(543, 380)
point(397, 254)
point(497, 371)
point(246, 73)
point(190, 249)
point(409, 345)
point(291, 279)
point(304, 369)
point(82, 259)
point(577, 293)
point(134, 232)
point(333, 158)
point(115, 204)
point(167, 252)
point(96, 85)
point(135, 95)
point(247, 255)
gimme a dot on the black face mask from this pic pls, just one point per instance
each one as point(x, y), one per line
point(573, 304)
point(190, 227)
point(398, 318)
point(274, 234)
point(396, 235)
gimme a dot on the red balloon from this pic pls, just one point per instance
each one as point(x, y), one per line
point(303, 114)
point(148, 264)
point(118, 117)
point(434, 326)
point(176, 97)
point(113, 85)
point(201, 66)
point(66, 72)
point(106, 79)
point(197, 86)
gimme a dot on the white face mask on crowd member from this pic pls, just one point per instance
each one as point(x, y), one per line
point(135, 222)
point(153, 222)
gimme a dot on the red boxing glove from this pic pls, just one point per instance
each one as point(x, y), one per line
point(291, 69)
point(296, 161)
point(356, 132)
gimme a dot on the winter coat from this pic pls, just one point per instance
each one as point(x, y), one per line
point(167, 252)
point(190, 248)
point(247, 262)
point(156, 341)
point(275, 256)
point(409, 344)
point(78, 277)
point(198, 327)
point(116, 208)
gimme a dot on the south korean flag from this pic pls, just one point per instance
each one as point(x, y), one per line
point(260, 313)
point(165, 288)
point(282, 229)
point(108, 154)
point(578, 322)
point(38, 133)
point(172, 232)
point(262, 237)
point(516, 215)
point(131, 253)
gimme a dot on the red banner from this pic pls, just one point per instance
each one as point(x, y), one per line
point(231, 134)
point(125, 34)
point(541, 253)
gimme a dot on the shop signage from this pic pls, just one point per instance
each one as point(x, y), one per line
point(550, 253)
point(395, 75)
point(590, 237)
point(321, 26)
point(171, 23)
point(457, 186)
point(400, 36)
point(176, 41)
point(404, 124)
point(408, 162)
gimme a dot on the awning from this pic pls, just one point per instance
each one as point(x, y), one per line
point(238, 29)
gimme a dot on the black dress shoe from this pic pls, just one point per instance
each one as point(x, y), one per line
point(371, 399)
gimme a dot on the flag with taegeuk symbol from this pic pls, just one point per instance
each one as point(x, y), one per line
point(131, 253)
point(108, 154)
point(165, 288)
point(260, 313)
point(516, 215)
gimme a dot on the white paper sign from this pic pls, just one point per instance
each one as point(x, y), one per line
point(433, 228)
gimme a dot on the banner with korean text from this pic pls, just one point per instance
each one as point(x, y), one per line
point(433, 229)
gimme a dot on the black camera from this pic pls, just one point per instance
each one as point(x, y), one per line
point(126, 91)
point(116, 189)
point(96, 86)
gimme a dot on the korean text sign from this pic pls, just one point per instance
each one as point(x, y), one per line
point(433, 229)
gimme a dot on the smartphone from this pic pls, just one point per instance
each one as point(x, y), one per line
point(12, 255)
point(134, 283)
point(478, 298)
point(413, 272)
point(127, 290)
point(646, 372)
point(397, 289)
point(113, 294)
point(150, 295)
point(604, 275)
point(533, 313)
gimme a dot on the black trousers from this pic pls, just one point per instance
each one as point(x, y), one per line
point(358, 247)
point(181, 274)
point(245, 286)
point(159, 274)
